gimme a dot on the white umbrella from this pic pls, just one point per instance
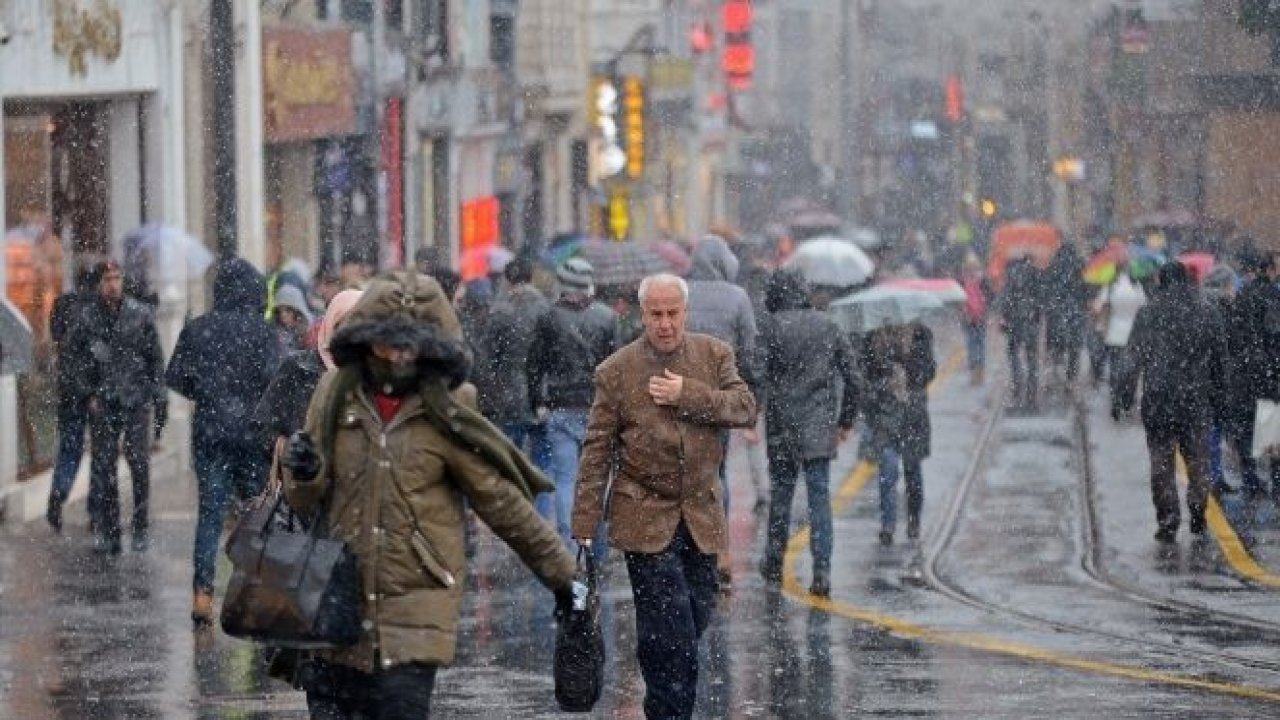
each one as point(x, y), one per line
point(832, 262)
point(879, 306)
point(166, 253)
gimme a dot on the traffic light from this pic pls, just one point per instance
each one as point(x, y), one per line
point(738, 59)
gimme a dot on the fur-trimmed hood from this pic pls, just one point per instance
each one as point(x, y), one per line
point(404, 309)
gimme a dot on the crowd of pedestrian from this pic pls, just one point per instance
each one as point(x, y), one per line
point(405, 406)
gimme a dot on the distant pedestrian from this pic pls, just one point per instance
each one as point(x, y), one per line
point(1020, 313)
point(399, 501)
point(976, 295)
point(897, 366)
point(1178, 349)
point(502, 356)
point(1065, 295)
point(73, 406)
point(568, 343)
point(655, 427)
point(1254, 337)
point(283, 406)
point(1117, 307)
point(810, 389)
point(115, 347)
point(292, 319)
point(223, 361)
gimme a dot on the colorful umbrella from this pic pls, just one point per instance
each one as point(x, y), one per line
point(1022, 238)
point(677, 258)
point(1143, 261)
point(945, 289)
point(1103, 267)
point(1199, 263)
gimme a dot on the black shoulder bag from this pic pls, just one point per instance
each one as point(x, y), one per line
point(578, 665)
point(291, 587)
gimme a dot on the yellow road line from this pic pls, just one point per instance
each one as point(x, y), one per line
point(1237, 555)
point(849, 489)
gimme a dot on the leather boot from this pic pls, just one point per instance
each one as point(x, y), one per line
point(202, 608)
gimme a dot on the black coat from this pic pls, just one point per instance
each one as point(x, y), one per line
point(66, 312)
point(116, 355)
point(225, 359)
point(1020, 300)
point(1063, 298)
point(283, 407)
point(810, 381)
point(1178, 346)
point(568, 343)
point(1254, 338)
point(502, 355)
point(894, 419)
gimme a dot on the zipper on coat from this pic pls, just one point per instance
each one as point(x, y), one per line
point(431, 561)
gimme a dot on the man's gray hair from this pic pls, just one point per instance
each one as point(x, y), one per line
point(663, 279)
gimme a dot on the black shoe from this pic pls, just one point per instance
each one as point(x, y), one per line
point(821, 585)
point(53, 516)
point(1196, 526)
point(886, 537)
point(107, 546)
point(1167, 535)
point(771, 572)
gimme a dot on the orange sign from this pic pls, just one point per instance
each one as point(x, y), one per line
point(308, 84)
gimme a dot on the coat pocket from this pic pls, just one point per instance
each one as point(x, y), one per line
point(430, 560)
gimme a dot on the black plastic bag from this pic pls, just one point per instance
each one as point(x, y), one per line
point(579, 658)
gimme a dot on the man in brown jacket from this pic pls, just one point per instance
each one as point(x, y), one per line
point(393, 458)
point(660, 404)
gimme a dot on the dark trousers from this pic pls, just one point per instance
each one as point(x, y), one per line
point(335, 692)
point(111, 429)
point(675, 593)
point(1124, 380)
point(72, 423)
point(784, 468)
point(1023, 348)
point(1162, 444)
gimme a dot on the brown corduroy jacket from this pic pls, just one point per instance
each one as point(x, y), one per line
point(664, 460)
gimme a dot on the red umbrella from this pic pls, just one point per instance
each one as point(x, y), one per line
point(1199, 263)
point(674, 255)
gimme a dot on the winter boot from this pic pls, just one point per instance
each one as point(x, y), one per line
point(53, 514)
point(202, 608)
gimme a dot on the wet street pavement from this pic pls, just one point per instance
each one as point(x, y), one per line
point(1036, 590)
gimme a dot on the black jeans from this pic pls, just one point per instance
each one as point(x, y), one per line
point(1192, 440)
point(337, 692)
point(1023, 349)
point(675, 594)
point(109, 429)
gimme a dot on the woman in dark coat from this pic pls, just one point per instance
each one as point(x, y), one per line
point(283, 407)
point(810, 392)
point(1066, 296)
point(897, 367)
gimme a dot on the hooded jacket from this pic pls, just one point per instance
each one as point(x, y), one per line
point(225, 359)
point(718, 307)
point(809, 374)
point(395, 491)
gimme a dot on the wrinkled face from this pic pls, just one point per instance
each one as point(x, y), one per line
point(395, 355)
point(112, 286)
point(663, 314)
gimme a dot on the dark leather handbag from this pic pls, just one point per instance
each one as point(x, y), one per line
point(578, 665)
point(291, 587)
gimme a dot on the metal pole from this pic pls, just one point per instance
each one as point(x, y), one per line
point(222, 54)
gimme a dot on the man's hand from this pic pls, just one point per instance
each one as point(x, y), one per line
point(665, 389)
point(300, 457)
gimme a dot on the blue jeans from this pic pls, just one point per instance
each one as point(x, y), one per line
point(531, 439)
point(975, 335)
point(675, 594)
point(817, 475)
point(71, 427)
point(914, 477)
point(222, 473)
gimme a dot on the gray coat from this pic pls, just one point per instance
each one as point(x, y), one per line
point(811, 383)
point(502, 354)
point(718, 307)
